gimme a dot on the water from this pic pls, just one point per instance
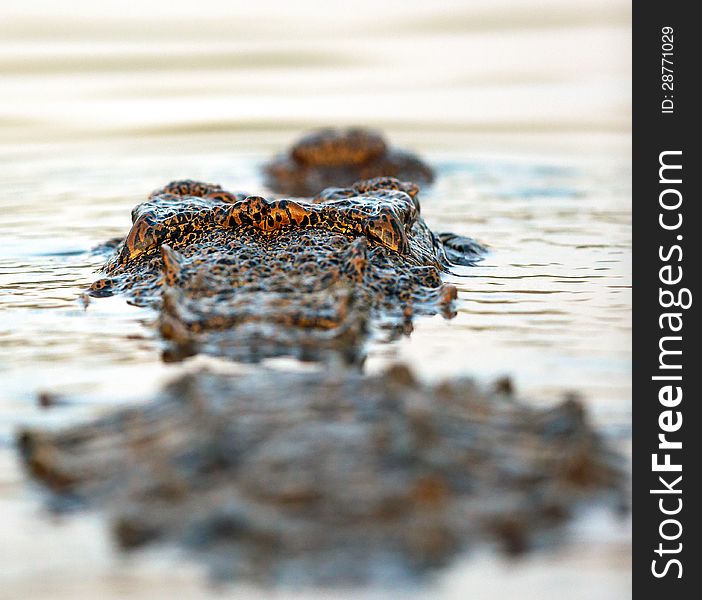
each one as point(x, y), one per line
point(102, 105)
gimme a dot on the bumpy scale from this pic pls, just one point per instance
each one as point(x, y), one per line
point(247, 277)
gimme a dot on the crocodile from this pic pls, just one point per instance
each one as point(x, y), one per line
point(247, 277)
point(338, 157)
point(333, 478)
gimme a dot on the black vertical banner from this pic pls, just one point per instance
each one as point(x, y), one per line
point(667, 429)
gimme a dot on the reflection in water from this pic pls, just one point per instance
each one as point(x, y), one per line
point(338, 479)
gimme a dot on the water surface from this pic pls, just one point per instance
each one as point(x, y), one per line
point(524, 111)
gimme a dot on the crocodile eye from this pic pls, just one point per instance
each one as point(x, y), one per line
point(141, 238)
point(389, 232)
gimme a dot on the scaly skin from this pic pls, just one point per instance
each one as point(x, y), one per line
point(382, 214)
point(246, 277)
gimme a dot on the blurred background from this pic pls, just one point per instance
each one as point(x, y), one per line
point(520, 69)
point(524, 108)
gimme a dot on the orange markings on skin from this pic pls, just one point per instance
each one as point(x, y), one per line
point(375, 210)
